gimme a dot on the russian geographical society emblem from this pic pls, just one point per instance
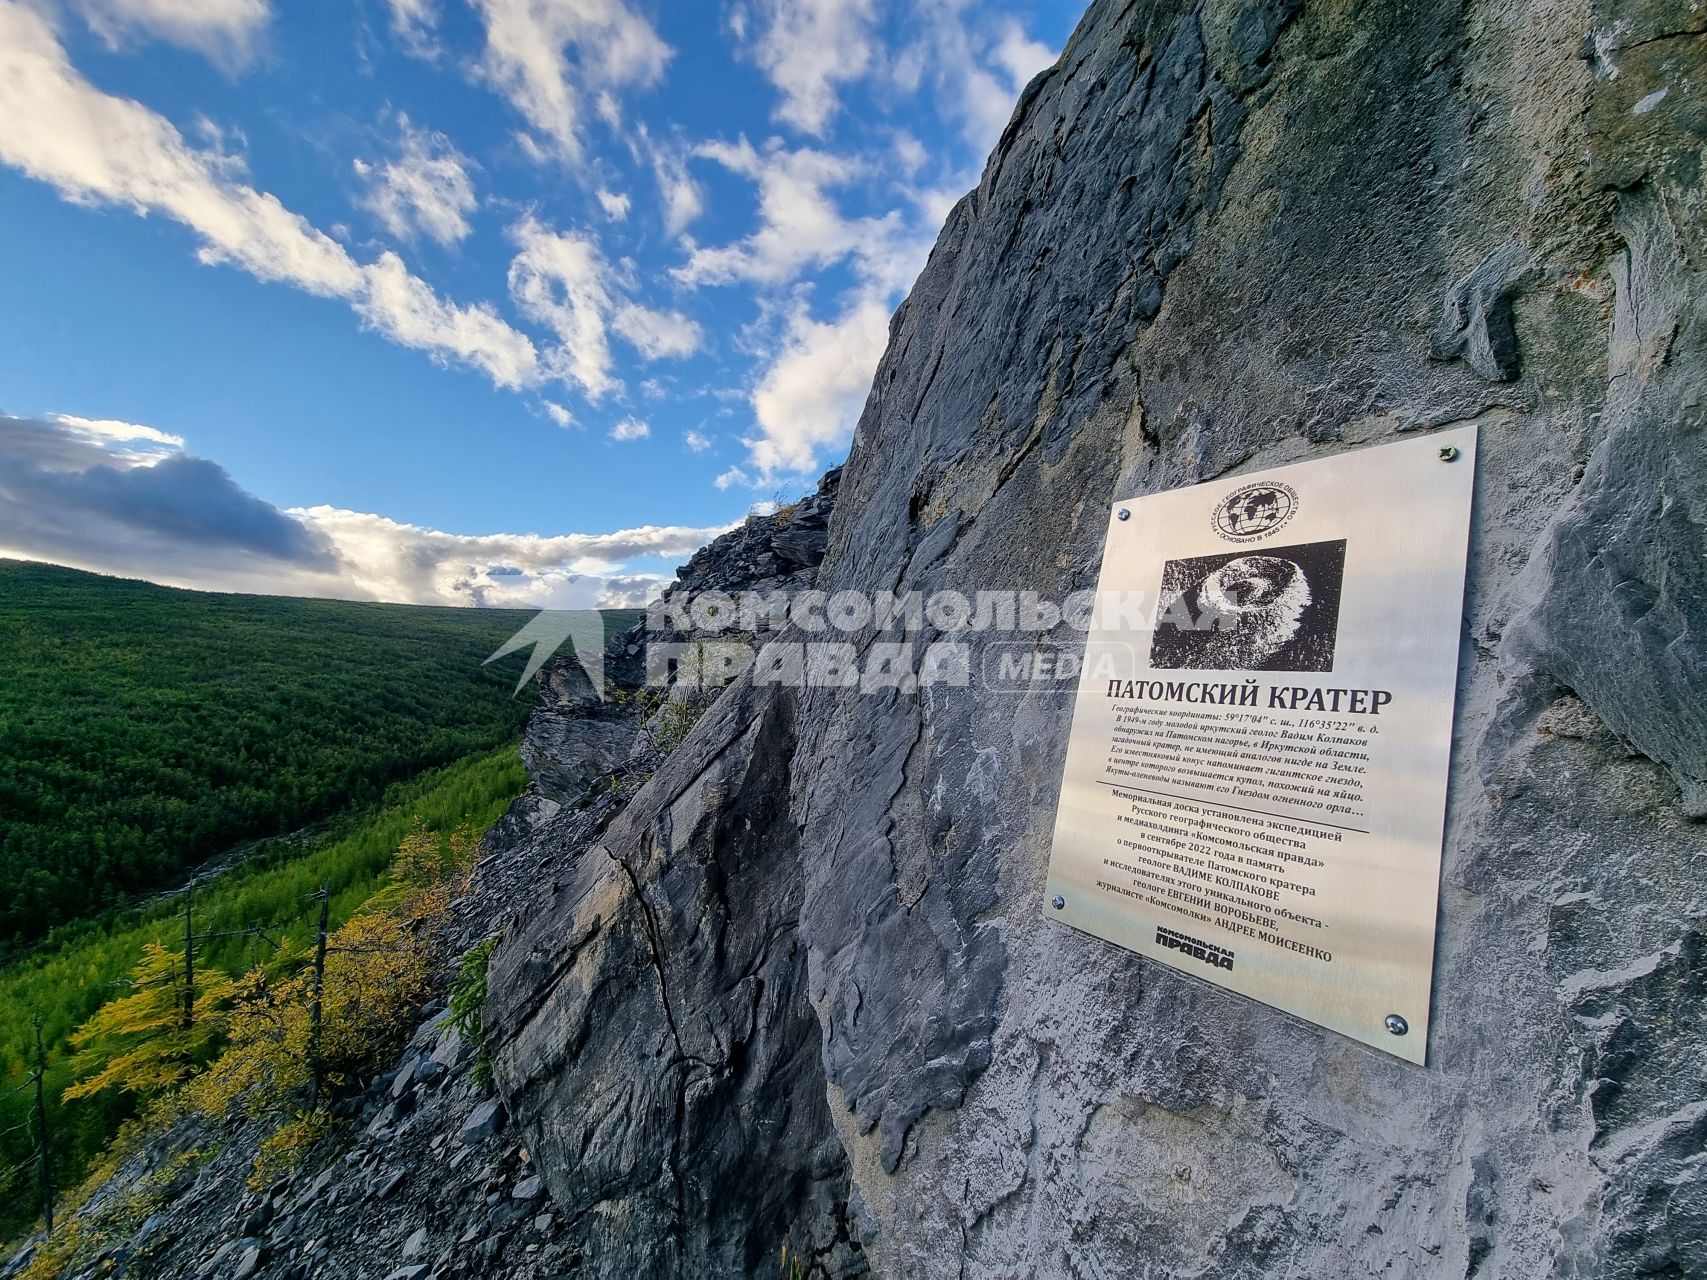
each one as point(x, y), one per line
point(1255, 511)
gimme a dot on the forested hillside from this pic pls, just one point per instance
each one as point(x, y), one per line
point(249, 916)
point(144, 729)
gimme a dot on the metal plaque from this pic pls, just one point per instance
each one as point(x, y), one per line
point(1255, 785)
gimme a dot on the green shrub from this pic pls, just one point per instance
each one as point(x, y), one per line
point(467, 1000)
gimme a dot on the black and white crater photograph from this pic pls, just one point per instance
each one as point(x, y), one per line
point(1272, 610)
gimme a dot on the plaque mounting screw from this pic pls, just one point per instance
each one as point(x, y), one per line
point(1395, 1024)
point(1448, 453)
point(1125, 514)
point(1057, 902)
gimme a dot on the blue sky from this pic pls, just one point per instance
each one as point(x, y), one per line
point(491, 301)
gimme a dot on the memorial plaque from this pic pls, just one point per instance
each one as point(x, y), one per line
point(1255, 785)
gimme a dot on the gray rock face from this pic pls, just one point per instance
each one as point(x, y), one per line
point(655, 1041)
point(1222, 253)
point(1214, 238)
point(572, 738)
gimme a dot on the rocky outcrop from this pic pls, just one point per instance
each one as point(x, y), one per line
point(575, 737)
point(657, 1043)
point(1215, 237)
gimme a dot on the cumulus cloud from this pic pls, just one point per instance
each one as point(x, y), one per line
point(424, 189)
point(122, 498)
point(698, 441)
point(98, 149)
point(561, 280)
point(810, 397)
point(383, 559)
point(807, 49)
point(630, 429)
point(800, 225)
point(544, 55)
point(558, 414)
point(223, 30)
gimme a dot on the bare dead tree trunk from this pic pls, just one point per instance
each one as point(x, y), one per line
point(316, 999)
point(43, 1150)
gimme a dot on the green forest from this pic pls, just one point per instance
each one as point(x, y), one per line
point(145, 729)
point(252, 909)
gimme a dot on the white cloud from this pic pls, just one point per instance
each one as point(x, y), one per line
point(800, 226)
point(127, 439)
point(910, 152)
point(1019, 55)
point(544, 55)
point(630, 429)
point(816, 373)
point(558, 414)
point(807, 48)
point(413, 22)
point(657, 334)
point(224, 30)
point(560, 279)
point(404, 308)
point(98, 149)
point(383, 559)
point(978, 71)
point(809, 399)
point(424, 190)
point(632, 591)
point(698, 441)
point(614, 204)
point(680, 197)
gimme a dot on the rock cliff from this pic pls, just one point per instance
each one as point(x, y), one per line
point(801, 992)
point(775, 992)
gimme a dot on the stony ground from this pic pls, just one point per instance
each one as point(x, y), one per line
point(424, 1178)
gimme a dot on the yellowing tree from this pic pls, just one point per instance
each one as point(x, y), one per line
point(378, 972)
point(142, 1043)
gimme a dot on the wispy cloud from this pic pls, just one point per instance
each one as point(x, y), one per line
point(560, 279)
point(614, 204)
point(414, 23)
point(808, 49)
point(226, 31)
point(547, 56)
point(423, 189)
point(95, 148)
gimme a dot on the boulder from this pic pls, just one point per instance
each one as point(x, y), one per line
point(484, 1121)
